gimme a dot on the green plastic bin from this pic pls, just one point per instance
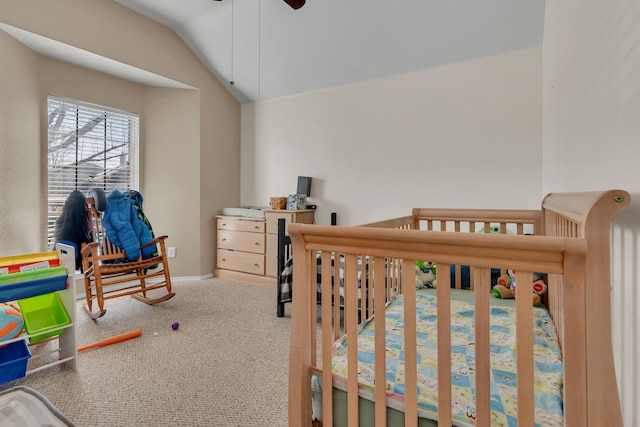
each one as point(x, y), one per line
point(43, 313)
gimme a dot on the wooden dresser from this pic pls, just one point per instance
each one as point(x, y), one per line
point(247, 248)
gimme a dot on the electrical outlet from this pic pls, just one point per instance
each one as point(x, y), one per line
point(171, 252)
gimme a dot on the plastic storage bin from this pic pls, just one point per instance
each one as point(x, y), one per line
point(26, 284)
point(17, 263)
point(13, 361)
point(44, 313)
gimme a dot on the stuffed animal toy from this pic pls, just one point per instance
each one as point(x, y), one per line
point(506, 287)
point(494, 229)
point(508, 281)
point(425, 274)
point(423, 279)
point(425, 265)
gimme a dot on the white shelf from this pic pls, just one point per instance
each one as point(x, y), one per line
point(67, 349)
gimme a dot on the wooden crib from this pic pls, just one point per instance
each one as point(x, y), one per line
point(571, 244)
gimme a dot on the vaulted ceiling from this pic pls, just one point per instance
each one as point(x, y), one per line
point(269, 50)
point(264, 49)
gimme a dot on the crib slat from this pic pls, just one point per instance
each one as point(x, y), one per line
point(300, 358)
point(483, 377)
point(327, 341)
point(312, 312)
point(380, 343)
point(410, 348)
point(482, 323)
point(388, 274)
point(351, 326)
point(312, 301)
point(524, 349)
point(369, 289)
point(336, 302)
point(458, 283)
point(393, 276)
point(575, 349)
point(443, 304)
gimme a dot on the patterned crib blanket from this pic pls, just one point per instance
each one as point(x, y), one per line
point(548, 375)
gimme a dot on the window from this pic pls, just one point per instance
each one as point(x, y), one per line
point(88, 146)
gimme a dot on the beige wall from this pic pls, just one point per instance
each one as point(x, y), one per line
point(190, 138)
point(378, 148)
point(20, 150)
point(172, 166)
point(592, 141)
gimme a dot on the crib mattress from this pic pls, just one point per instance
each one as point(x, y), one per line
point(25, 407)
point(548, 360)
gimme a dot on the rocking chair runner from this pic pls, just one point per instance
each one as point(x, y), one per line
point(109, 274)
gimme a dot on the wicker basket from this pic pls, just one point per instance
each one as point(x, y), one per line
point(278, 202)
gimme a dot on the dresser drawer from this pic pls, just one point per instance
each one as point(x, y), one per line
point(241, 241)
point(240, 261)
point(240, 224)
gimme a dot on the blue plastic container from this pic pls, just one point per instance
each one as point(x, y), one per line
point(16, 291)
point(13, 360)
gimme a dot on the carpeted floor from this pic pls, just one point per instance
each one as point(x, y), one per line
point(226, 364)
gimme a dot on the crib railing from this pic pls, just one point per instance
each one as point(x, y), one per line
point(561, 258)
point(514, 221)
point(589, 215)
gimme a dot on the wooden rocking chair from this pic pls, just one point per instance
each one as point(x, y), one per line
point(109, 274)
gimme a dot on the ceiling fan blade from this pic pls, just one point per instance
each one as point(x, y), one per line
point(296, 4)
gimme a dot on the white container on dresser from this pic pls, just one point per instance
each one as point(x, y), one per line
point(247, 248)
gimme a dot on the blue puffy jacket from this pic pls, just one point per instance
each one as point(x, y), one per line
point(124, 229)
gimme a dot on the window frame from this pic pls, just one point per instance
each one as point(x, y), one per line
point(78, 142)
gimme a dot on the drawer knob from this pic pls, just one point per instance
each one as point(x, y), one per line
point(224, 240)
point(257, 265)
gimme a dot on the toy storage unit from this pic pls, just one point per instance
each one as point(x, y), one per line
point(45, 293)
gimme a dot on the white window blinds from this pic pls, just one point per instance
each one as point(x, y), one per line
point(88, 146)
